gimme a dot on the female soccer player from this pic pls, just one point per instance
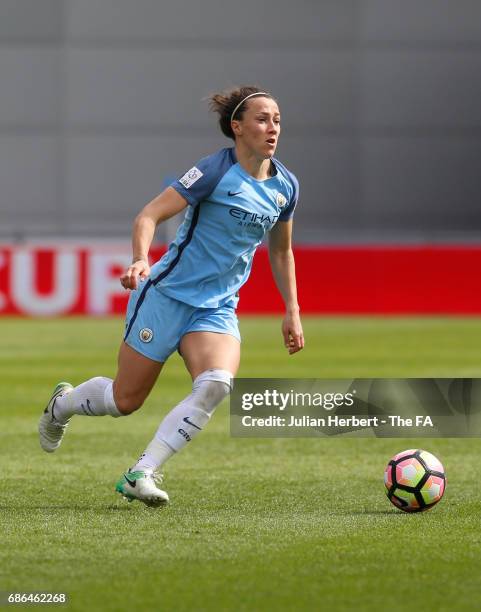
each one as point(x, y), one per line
point(187, 300)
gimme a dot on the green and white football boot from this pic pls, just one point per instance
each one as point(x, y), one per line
point(50, 430)
point(142, 485)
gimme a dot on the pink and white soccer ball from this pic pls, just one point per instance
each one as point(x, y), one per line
point(415, 480)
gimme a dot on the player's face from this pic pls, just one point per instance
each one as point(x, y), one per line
point(260, 127)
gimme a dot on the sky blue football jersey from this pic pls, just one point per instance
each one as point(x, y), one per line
point(229, 214)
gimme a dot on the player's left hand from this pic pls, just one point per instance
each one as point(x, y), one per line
point(292, 332)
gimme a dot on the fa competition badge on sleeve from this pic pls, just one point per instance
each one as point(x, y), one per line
point(281, 200)
point(191, 177)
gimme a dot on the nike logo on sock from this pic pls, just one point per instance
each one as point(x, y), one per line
point(87, 410)
point(186, 420)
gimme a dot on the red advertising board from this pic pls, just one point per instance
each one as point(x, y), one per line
point(84, 279)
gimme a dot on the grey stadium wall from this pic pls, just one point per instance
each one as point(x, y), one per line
point(381, 103)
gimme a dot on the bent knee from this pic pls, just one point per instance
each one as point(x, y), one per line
point(211, 387)
point(127, 403)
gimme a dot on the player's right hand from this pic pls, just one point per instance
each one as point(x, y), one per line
point(139, 270)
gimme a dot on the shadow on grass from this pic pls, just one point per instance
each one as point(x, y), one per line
point(24, 507)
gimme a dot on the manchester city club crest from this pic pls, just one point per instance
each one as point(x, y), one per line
point(146, 334)
point(281, 200)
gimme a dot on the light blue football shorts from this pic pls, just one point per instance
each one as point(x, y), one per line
point(155, 323)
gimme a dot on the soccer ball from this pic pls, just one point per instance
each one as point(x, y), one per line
point(415, 480)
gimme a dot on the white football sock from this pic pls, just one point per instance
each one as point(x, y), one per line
point(185, 421)
point(92, 398)
point(156, 454)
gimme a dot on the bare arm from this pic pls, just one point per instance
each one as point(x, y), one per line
point(163, 207)
point(283, 268)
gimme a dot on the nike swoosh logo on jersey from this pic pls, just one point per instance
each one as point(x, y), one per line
point(186, 420)
point(132, 483)
point(233, 193)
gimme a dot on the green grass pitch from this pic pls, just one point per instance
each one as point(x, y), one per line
point(254, 524)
